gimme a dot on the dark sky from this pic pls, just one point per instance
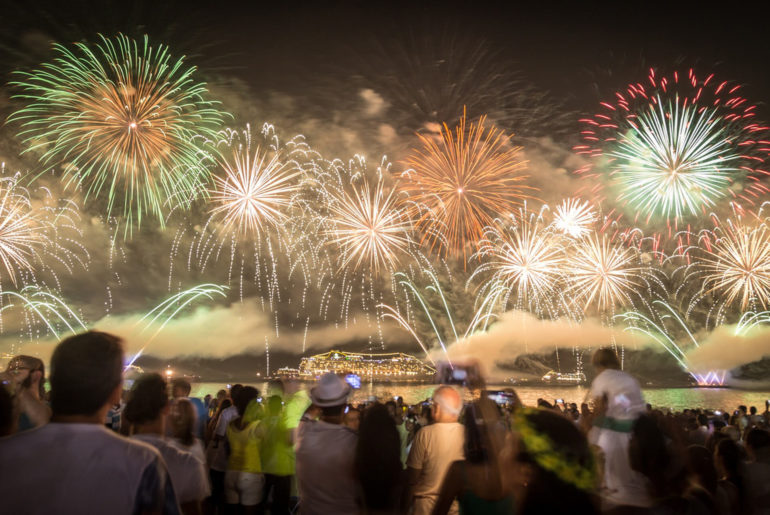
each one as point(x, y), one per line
point(565, 48)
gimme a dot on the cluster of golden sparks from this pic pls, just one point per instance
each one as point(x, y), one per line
point(255, 192)
point(463, 181)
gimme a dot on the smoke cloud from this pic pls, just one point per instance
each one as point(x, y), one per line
point(519, 332)
point(219, 332)
point(723, 349)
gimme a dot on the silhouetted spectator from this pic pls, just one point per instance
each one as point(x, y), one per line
point(434, 449)
point(325, 453)
point(477, 481)
point(378, 462)
point(74, 464)
point(552, 469)
point(146, 410)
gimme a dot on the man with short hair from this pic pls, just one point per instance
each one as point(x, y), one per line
point(618, 402)
point(325, 453)
point(147, 412)
point(180, 389)
point(74, 464)
point(434, 449)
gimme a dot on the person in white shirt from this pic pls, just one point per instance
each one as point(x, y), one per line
point(180, 389)
point(434, 449)
point(618, 402)
point(75, 464)
point(147, 410)
point(326, 452)
point(182, 425)
point(217, 454)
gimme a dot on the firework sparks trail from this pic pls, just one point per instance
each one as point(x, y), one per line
point(751, 320)
point(48, 308)
point(658, 331)
point(167, 310)
point(121, 117)
point(479, 322)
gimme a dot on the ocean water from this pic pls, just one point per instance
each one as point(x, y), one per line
point(676, 399)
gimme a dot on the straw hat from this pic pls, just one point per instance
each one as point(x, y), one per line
point(331, 390)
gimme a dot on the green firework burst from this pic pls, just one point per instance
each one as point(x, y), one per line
point(124, 119)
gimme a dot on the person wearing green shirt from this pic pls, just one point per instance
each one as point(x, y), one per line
point(280, 422)
point(277, 457)
point(244, 477)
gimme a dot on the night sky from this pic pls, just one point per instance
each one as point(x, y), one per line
point(565, 49)
point(311, 68)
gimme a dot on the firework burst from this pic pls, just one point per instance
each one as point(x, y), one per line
point(121, 117)
point(38, 233)
point(261, 238)
point(459, 184)
point(369, 227)
point(603, 273)
point(737, 264)
point(21, 231)
point(430, 78)
point(256, 191)
point(574, 218)
point(674, 147)
point(526, 261)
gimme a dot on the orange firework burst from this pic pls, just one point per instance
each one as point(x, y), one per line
point(460, 183)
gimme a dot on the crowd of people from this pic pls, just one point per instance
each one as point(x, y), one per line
point(87, 445)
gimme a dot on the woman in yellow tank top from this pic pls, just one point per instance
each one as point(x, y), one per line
point(244, 480)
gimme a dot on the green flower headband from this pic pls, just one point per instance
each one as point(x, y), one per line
point(543, 452)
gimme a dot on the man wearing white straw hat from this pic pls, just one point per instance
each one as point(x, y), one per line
point(325, 453)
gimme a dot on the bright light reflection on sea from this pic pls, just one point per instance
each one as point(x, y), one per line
point(673, 398)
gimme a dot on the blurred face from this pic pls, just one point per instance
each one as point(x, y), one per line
point(19, 373)
point(22, 374)
point(520, 473)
